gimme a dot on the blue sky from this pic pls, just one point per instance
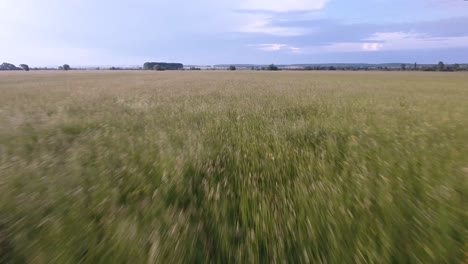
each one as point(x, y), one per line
point(130, 32)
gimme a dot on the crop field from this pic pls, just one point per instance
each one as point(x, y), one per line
point(233, 167)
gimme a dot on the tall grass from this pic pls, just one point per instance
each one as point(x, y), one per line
point(241, 167)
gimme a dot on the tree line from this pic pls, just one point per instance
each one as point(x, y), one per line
point(441, 67)
point(270, 67)
point(162, 66)
point(24, 67)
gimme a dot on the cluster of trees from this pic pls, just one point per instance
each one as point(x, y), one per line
point(387, 67)
point(441, 66)
point(113, 68)
point(24, 67)
point(320, 68)
point(270, 67)
point(162, 66)
point(10, 67)
point(65, 67)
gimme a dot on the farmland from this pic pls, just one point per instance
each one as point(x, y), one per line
point(233, 167)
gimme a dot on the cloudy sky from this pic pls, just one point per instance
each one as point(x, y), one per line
point(130, 32)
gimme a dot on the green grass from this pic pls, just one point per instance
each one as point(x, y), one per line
point(233, 167)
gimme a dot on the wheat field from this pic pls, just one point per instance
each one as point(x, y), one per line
point(233, 167)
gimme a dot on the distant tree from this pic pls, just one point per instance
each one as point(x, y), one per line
point(8, 67)
point(440, 66)
point(25, 67)
point(403, 67)
point(232, 68)
point(332, 68)
point(456, 67)
point(415, 66)
point(66, 67)
point(308, 68)
point(272, 67)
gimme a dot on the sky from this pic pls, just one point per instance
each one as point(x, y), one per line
point(207, 32)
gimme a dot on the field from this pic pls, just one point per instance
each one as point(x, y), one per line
point(233, 167)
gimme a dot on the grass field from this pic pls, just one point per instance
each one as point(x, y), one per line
point(233, 167)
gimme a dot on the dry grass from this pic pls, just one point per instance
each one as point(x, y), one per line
point(224, 167)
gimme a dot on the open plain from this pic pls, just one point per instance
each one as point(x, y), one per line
point(233, 167)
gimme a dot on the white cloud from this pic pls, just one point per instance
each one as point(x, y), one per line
point(276, 47)
point(390, 36)
point(233, 13)
point(282, 5)
point(372, 46)
point(394, 41)
point(261, 24)
point(414, 41)
point(337, 47)
point(295, 50)
point(270, 47)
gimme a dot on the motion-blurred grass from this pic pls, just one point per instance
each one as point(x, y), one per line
point(233, 167)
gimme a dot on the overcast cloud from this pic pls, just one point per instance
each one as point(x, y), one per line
point(129, 32)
